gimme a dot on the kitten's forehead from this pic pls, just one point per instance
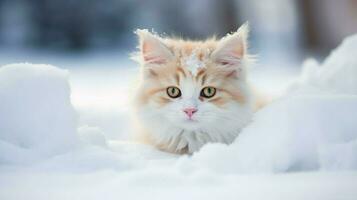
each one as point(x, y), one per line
point(193, 57)
point(194, 62)
point(200, 50)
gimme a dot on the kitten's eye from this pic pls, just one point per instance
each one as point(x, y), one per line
point(208, 92)
point(173, 92)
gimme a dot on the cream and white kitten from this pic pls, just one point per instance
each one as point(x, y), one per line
point(192, 92)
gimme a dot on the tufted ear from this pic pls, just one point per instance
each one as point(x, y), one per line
point(232, 48)
point(152, 49)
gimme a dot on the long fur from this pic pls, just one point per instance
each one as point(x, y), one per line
point(222, 64)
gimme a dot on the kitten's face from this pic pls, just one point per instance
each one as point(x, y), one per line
point(187, 99)
point(192, 86)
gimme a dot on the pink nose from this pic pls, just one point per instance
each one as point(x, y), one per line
point(190, 111)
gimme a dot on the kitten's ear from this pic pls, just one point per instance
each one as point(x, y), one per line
point(232, 48)
point(152, 49)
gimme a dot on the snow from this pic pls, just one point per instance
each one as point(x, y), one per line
point(291, 135)
point(92, 135)
point(302, 146)
point(337, 73)
point(36, 116)
point(193, 64)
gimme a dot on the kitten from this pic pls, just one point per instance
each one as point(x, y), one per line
point(192, 92)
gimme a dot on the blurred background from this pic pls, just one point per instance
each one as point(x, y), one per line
point(293, 28)
point(93, 39)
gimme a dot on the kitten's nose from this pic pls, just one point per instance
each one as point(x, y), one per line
point(190, 111)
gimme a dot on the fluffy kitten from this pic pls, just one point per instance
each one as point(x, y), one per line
point(192, 92)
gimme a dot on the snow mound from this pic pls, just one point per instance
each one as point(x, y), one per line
point(36, 115)
point(296, 133)
point(338, 73)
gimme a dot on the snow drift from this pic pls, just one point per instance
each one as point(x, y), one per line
point(36, 116)
point(296, 133)
point(337, 74)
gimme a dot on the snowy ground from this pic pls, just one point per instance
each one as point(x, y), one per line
point(64, 135)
